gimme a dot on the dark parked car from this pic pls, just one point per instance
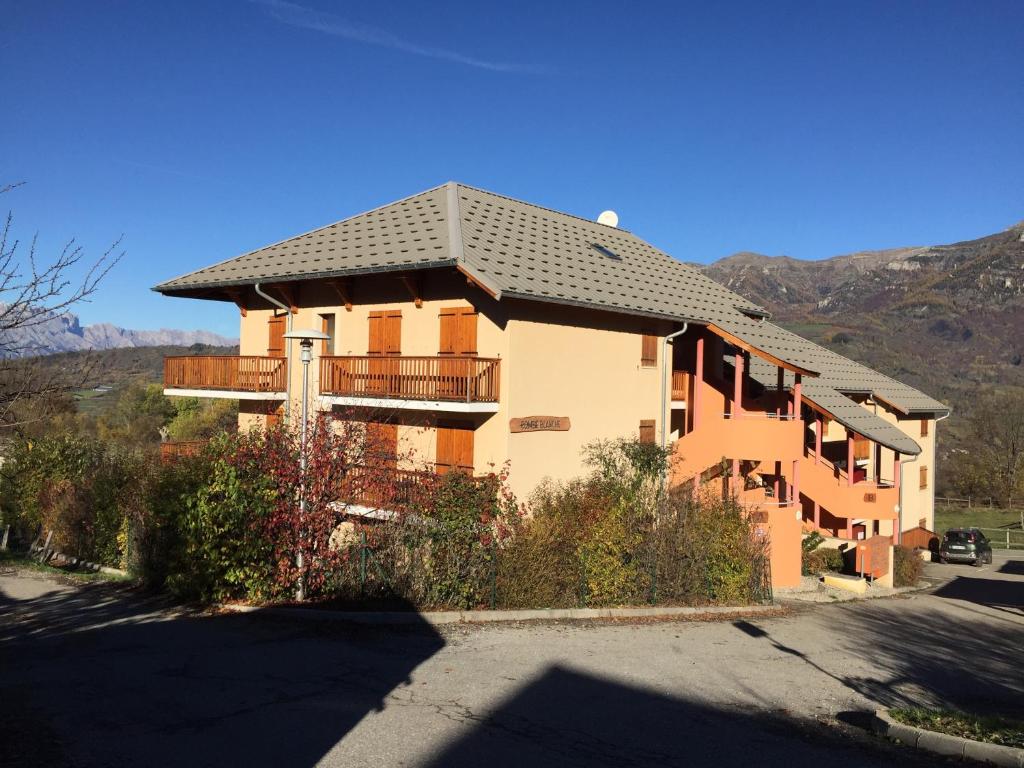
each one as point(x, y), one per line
point(965, 545)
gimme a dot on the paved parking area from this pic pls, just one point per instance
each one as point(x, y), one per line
point(99, 677)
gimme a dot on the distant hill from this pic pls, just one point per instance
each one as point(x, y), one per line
point(948, 319)
point(119, 366)
point(64, 333)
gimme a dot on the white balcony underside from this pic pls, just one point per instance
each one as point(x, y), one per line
point(678, 405)
point(224, 394)
point(394, 403)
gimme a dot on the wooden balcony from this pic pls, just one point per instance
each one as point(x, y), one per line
point(226, 373)
point(399, 490)
point(173, 450)
point(450, 379)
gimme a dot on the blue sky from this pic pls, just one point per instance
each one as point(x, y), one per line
point(202, 130)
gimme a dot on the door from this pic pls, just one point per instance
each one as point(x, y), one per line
point(458, 340)
point(385, 341)
point(454, 448)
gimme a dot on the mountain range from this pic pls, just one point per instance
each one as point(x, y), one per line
point(948, 319)
point(64, 333)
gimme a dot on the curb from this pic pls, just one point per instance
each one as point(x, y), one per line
point(484, 617)
point(944, 744)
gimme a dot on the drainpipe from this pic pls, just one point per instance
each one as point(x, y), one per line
point(287, 349)
point(666, 372)
point(935, 460)
point(899, 516)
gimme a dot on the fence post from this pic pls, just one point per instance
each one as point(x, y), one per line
point(362, 563)
point(654, 580)
point(583, 581)
point(494, 576)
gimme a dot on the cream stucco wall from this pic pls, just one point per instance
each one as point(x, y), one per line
point(578, 363)
point(555, 361)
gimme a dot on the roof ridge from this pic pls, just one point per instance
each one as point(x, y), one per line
point(542, 207)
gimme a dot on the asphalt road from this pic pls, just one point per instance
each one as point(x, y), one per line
point(95, 677)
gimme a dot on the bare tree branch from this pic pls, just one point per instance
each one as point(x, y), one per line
point(34, 291)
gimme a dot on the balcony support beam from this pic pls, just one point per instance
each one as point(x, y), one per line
point(698, 382)
point(849, 457)
point(797, 395)
point(819, 427)
point(737, 388)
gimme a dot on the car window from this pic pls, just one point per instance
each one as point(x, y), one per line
point(957, 537)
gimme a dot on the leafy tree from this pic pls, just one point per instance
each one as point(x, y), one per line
point(998, 425)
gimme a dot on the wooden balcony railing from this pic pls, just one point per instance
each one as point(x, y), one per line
point(680, 385)
point(465, 379)
point(398, 490)
point(173, 450)
point(242, 373)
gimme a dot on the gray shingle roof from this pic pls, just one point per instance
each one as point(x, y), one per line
point(521, 250)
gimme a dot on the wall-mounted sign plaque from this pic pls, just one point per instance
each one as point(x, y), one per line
point(539, 424)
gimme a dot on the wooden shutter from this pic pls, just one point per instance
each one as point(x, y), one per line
point(458, 331)
point(273, 415)
point(647, 430)
point(382, 444)
point(454, 448)
point(648, 350)
point(861, 447)
point(924, 427)
point(275, 336)
point(375, 345)
point(923, 478)
point(393, 332)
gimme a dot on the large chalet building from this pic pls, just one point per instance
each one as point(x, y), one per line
point(474, 330)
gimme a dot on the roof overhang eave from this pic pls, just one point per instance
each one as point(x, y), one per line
point(763, 354)
point(902, 447)
point(168, 289)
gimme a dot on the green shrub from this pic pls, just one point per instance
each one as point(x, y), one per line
point(83, 491)
point(907, 567)
point(615, 538)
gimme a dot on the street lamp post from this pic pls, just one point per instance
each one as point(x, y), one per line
point(306, 339)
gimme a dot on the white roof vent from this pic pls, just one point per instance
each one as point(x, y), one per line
point(608, 218)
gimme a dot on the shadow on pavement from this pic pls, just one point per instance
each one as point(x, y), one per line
point(968, 659)
point(1013, 567)
point(994, 593)
point(122, 684)
point(568, 718)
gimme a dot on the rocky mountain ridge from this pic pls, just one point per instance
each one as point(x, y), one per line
point(65, 333)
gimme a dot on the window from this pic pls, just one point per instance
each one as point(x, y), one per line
point(924, 427)
point(385, 332)
point(649, 350)
point(454, 448)
point(924, 478)
point(647, 430)
point(327, 326)
point(458, 331)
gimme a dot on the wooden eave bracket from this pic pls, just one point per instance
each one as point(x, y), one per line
point(414, 284)
point(472, 280)
point(236, 296)
point(288, 292)
point(343, 287)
